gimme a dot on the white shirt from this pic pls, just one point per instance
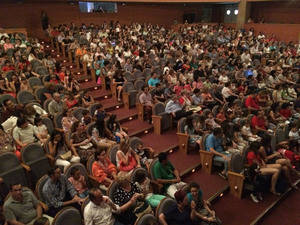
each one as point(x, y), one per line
point(226, 92)
point(99, 214)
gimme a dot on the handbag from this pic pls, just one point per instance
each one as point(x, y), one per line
point(142, 208)
point(86, 146)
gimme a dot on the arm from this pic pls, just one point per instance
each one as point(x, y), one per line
point(162, 219)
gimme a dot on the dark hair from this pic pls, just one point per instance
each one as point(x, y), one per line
point(91, 193)
point(74, 170)
point(140, 176)
point(217, 131)
point(14, 184)
point(162, 156)
point(98, 152)
point(41, 221)
point(21, 121)
point(37, 120)
point(52, 171)
point(189, 121)
point(194, 185)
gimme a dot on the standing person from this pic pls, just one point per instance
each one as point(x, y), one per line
point(44, 20)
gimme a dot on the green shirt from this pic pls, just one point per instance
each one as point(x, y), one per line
point(165, 172)
point(24, 211)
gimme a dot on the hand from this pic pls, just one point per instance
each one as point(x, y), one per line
point(210, 219)
point(225, 157)
point(193, 205)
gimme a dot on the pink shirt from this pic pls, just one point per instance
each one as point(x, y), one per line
point(79, 185)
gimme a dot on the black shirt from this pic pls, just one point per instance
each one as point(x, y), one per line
point(175, 217)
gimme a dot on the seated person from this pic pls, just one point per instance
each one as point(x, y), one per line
point(145, 154)
point(22, 207)
point(180, 213)
point(213, 144)
point(126, 196)
point(127, 159)
point(59, 150)
point(174, 108)
point(86, 118)
point(87, 99)
point(24, 133)
point(103, 169)
point(41, 130)
point(147, 102)
point(56, 105)
point(153, 80)
point(101, 140)
point(167, 175)
point(194, 133)
point(144, 184)
point(59, 192)
point(203, 213)
point(79, 183)
point(115, 128)
point(100, 209)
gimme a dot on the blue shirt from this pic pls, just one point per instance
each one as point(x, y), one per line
point(152, 82)
point(213, 142)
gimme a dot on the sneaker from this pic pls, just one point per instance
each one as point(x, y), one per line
point(254, 198)
point(260, 198)
point(223, 176)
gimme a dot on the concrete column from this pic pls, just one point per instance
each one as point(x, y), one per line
point(244, 10)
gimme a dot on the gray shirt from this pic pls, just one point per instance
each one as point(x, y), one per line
point(24, 211)
point(55, 107)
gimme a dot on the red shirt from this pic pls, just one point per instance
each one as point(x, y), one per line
point(251, 157)
point(70, 104)
point(259, 122)
point(250, 102)
point(285, 113)
point(7, 68)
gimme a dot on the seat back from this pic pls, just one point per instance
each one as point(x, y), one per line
point(138, 84)
point(68, 216)
point(129, 76)
point(164, 205)
point(5, 97)
point(134, 142)
point(147, 72)
point(112, 189)
point(158, 108)
point(128, 86)
point(146, 219)
point(34, 81)
point(90, 128)
point(39, 94)
point(42, 70)
point(206, 112)
point(89, 164)
point(153, 163)
point(77, 113)
point(25, 97)
point(11, 171)
point(35, 63)
point(32, 152)
point(57, 120)
point(79, 166)
point(39, 187)
point(236, 163)
point(49, 124)
point(180, 125)
point(137, 170)
point(112, 154)
point(138, 75)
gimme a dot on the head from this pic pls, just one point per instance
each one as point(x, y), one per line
point(22, 123)
point(54, 173)
point(9, 104)
point(56, 96)
point(38, 121)
point(179, 197)
point(140, 176)
point(145, 89)
point(42, 221)
point(56, 136)
point(100, 153)
point(163, 158)
point(124, 146)
point(218, 132)
point(78, 127)
point(75, 173)
point(194, 189)
point(96, 196)
point(16, 192)
point(123, 181)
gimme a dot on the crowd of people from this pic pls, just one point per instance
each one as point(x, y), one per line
point(245, 87)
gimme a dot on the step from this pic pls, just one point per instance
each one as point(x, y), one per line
point(165, 142)
point(89, 85)
point(100, 94)
point(110, 104)
point(137, 128)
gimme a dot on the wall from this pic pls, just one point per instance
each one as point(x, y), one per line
point(276, 12)
point(28, 14)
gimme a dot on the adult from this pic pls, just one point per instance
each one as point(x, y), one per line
point(22, 207)
point(147, 102)
point(213, 143)
point(127, 159)
point(174, 108)
point(99, 211)
point(166, 174)
point(56, 105)
point(59, 192)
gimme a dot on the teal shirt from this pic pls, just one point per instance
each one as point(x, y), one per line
point(165, 172)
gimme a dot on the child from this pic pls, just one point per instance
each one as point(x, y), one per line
point(145, 154)
point(143, 183)
point(79, 183)
point(41, 130)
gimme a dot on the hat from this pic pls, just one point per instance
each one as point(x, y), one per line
point(179, 196)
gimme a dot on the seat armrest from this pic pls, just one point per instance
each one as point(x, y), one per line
point(26, 167)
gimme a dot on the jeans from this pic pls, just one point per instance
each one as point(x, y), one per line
point(222, 160)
